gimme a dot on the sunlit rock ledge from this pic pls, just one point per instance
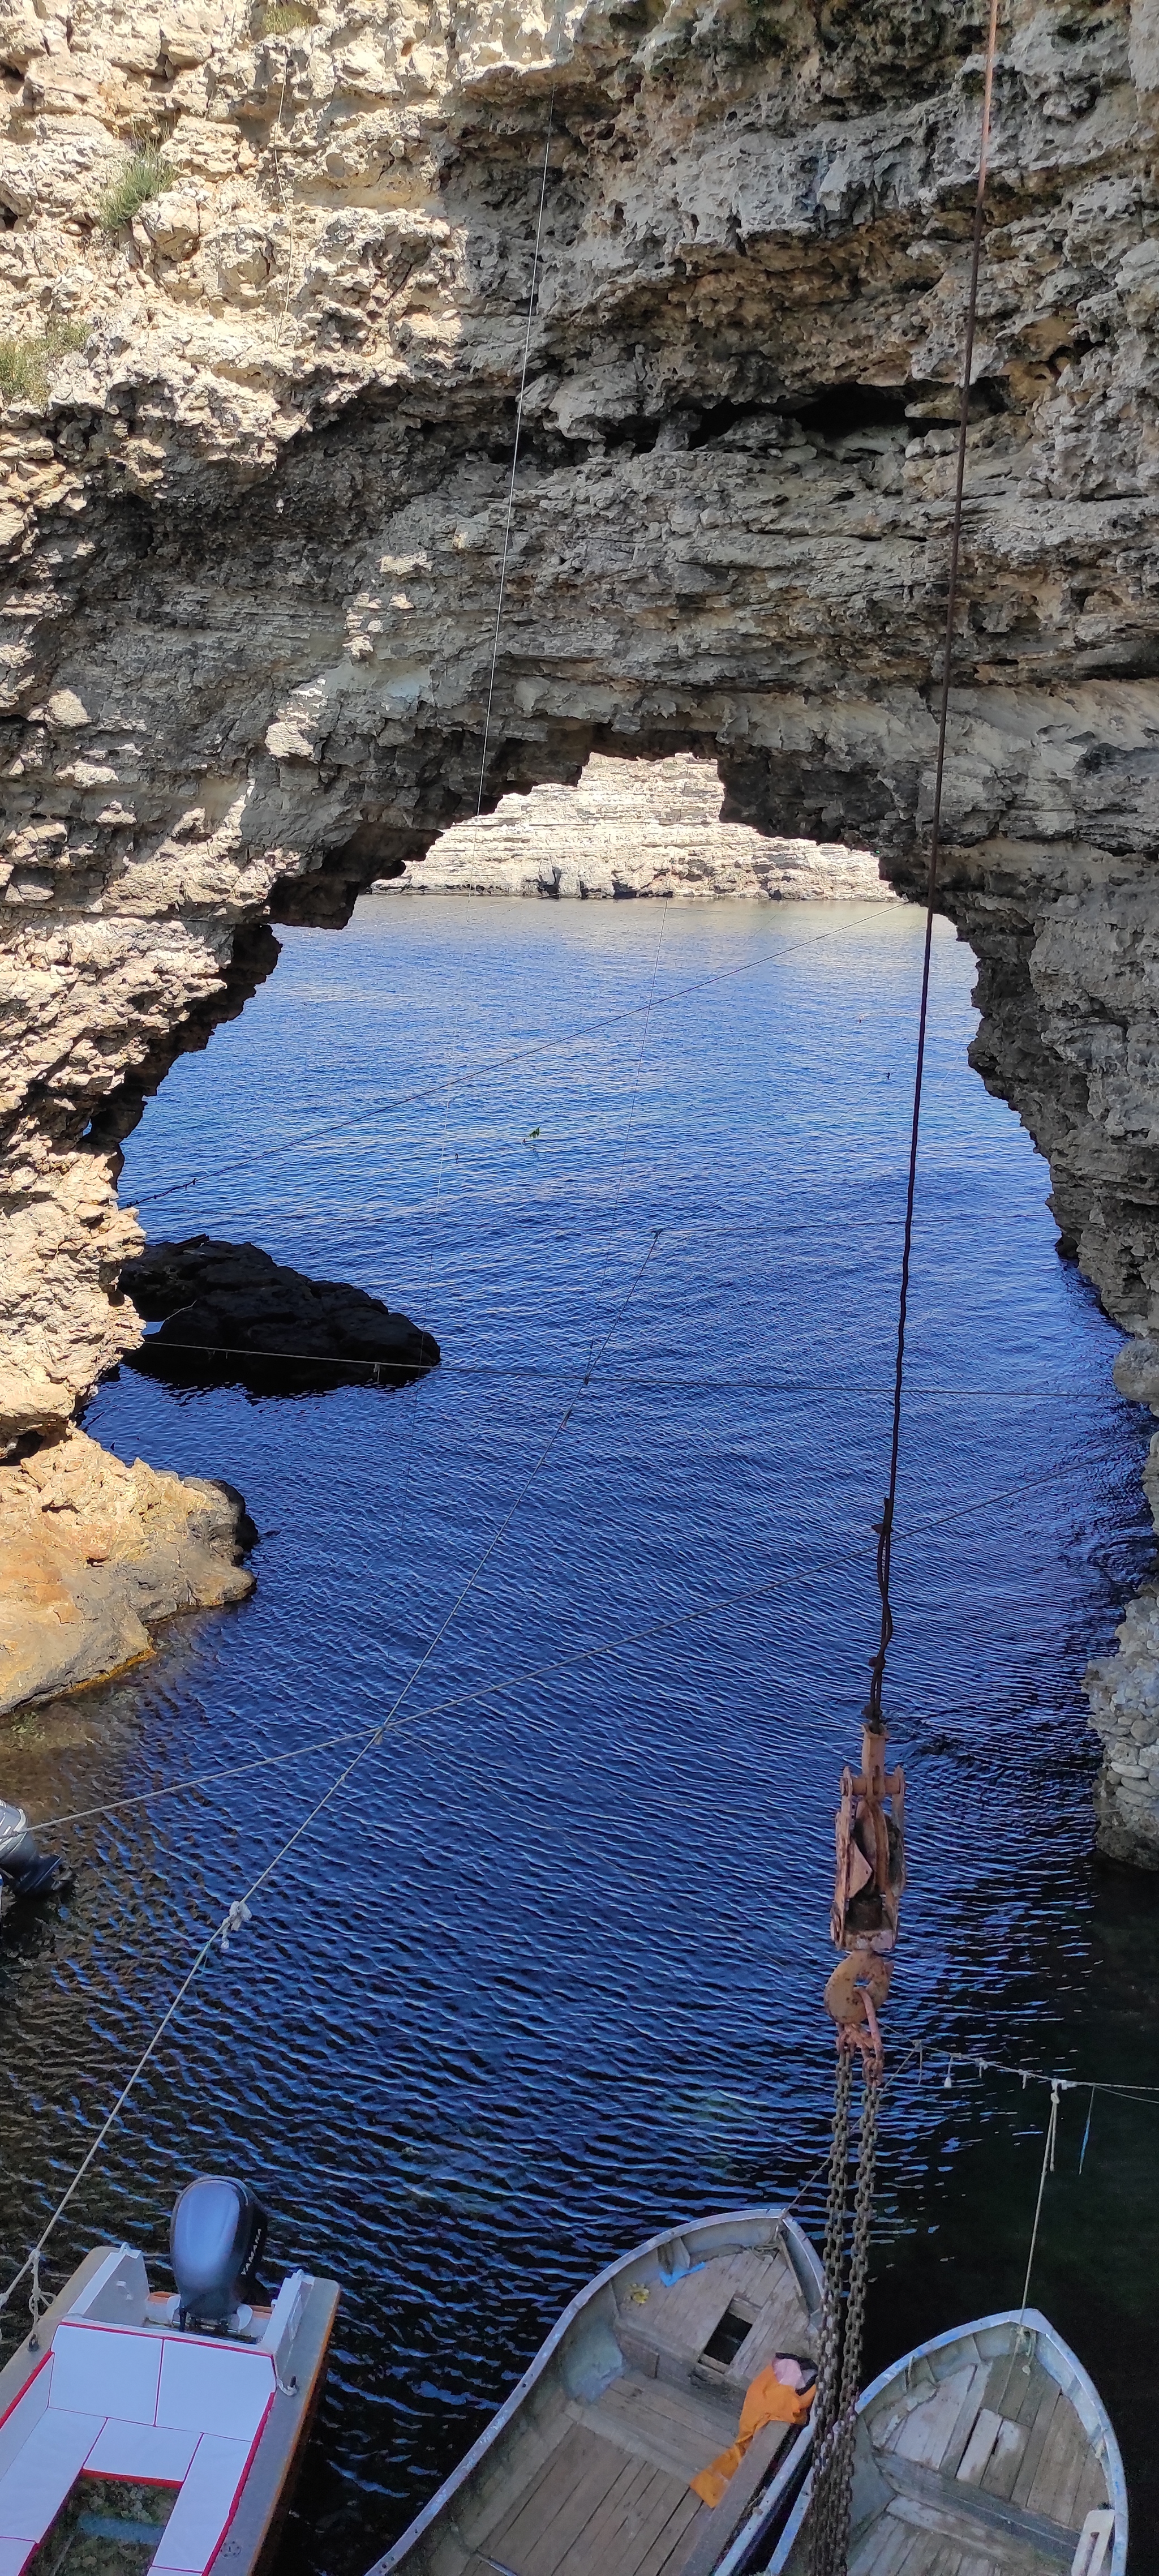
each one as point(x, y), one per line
point(633, 828)
point(94, 1553)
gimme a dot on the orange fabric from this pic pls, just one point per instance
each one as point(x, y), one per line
point(768, 2402)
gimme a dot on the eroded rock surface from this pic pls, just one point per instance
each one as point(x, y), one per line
point(635, 828)
point(229, 1311)
point(254, 531)
point(94, 1553)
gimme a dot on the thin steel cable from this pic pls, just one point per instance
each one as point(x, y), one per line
point(885, 1527)
point(487, 1144)
point(784, 2207)
point(238, 1912)
point(932, 1712)
point(969, 2058)
point(984, 1502)
point(660, 1385)
point(500, 1687)
point(32, 2261)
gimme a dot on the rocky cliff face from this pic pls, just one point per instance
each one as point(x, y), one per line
point(253, 524)
point(649, 828)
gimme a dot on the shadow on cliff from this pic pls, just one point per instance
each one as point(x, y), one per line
point(230, 1315)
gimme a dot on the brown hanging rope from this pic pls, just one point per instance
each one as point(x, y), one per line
point(885, 1525)
point(870, 1821)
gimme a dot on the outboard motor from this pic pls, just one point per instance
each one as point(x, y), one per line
point(24, 1869)
point(216, 2238)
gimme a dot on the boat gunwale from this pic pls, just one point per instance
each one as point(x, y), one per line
point(805, 2263)
point(1084, 2389)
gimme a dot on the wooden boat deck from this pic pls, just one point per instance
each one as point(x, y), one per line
point(591, 2476)
point(977, 2459)
point(593, 2504)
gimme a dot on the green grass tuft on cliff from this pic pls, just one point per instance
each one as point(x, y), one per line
point(280, 17)
point(27, 365)
point(145, 174)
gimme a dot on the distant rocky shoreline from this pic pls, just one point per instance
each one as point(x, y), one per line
point(635, 828)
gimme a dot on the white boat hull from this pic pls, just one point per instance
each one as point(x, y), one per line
point(130, 2443)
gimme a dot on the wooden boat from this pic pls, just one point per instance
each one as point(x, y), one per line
point(128, 2442)
point(640, 2385)
point(986, 2452)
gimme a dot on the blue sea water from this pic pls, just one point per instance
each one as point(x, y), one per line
point(547, 1972)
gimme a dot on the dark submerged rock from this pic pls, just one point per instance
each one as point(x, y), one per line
point(229, 1313)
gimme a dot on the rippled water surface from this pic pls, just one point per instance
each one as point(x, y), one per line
point(547, 1973)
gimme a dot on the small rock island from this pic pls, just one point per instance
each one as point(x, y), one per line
point(230, 1313)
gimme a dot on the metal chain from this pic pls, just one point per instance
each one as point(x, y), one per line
point(836, 2431)
point(821, 2511)
point(829, 2354)
point(833, 2256)
point(846, 2427)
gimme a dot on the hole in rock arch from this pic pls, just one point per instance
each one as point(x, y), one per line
point(632, 828)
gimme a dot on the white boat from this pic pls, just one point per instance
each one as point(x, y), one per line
point(132, 2439)
point(585, 2469)
point(986, 2452)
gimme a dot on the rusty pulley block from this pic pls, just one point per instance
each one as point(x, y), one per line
point(867, 1893)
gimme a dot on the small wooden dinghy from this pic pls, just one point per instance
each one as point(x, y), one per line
point(585, 2470)
point(984, 2453)
point(128, 2442)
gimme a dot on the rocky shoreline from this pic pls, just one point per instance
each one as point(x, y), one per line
point(632, 829)
point(95, 1554)
point(1123, 1687)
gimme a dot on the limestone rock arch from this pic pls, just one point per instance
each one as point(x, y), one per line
point(252, 527)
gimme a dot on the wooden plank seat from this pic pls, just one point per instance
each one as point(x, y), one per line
point(1054, 2541)
point(675, 2428)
